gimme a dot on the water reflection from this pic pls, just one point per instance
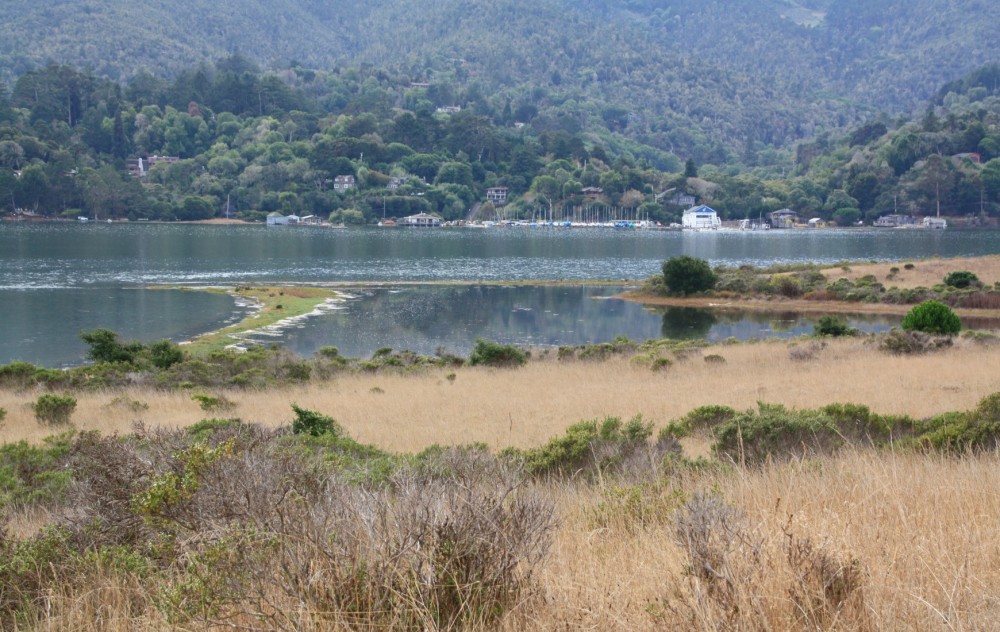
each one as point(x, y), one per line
point(426, 318)
point(687, 323)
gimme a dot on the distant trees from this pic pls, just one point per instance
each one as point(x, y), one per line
point(269, 141)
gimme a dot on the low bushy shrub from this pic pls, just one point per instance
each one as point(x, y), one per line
point(961, 279)
point(773, 431)
point(701, 419)
point(213, 403)
point(832, 326)
point(912, 342)
point(975, 430)
point(494, 354)
point(588, 447)
point(54, 410)
point(32, 475)
point(313, 423)
point(932, 317)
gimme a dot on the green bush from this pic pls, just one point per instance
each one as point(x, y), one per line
point(105, 346)
point(932, 317)
point(211, 403)
point(495, 354)
point(54, 410)
point(688, 275)
point(961, 279)
point(832, 326)
point(164, 354)
point(588, 446)
point(975, 430)
point(34, 474)
point(313, 423)
point(702, 418)
point(912, 342)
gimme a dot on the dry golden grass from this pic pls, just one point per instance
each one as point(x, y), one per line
point(918, 532)
point(527, 406)
point(925, 272)
point(921, 529)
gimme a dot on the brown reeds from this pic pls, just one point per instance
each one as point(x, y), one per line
point(527, 406)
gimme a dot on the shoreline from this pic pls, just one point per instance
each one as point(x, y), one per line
point(922, 273)
point(273, 308)
point(278, 306)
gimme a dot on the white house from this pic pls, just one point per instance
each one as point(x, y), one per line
point(497, 195)
point(935, 222)
point(343, 183)
point(277, 219)
point(420, 219)
point(701, 218)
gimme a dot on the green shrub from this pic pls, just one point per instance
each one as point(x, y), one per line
point(787, 286)
point(961, 279)
point(313, 423)
point(34, 474)
point(912, 342)
point(204, 429)
point(932, 317)
point(975, 430)
point(688, 275)
point(832, 326)
point(105, 346)
point(211, 403)
point(495, 354)
point(661, 364)
point(701, 418)
point(164, 354)
point(54, 410)
point(588, 446)
point(331, 353)
point(772, 430)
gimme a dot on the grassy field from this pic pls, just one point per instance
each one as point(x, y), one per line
point(527, 406)
point(926, 273)
point(860, 539)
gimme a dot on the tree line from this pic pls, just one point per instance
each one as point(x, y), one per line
point(248, 143)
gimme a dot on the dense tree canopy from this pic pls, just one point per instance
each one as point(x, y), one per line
point(68, 140)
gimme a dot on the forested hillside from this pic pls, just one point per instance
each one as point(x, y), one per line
point(719, 81)
point(244, 142)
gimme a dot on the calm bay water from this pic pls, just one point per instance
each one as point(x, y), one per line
point(424, 319)
point(44, 270)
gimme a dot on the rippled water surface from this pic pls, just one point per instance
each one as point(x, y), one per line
point(44, 270)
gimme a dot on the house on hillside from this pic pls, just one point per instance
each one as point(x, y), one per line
point(497, 195)
point(701, 218)
point(681, 199)
point(785, 218)
point(343, 183)
point(395, 183)
point(139, 167)
point(592, 193)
